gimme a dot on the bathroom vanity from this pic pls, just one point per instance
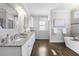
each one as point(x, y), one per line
point(20, 47)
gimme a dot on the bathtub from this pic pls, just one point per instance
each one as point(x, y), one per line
point(72, 44)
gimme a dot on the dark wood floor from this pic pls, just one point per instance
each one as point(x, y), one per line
point(44, 48)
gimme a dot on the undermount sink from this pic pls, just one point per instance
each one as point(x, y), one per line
point(75, 39)
point(18, 39)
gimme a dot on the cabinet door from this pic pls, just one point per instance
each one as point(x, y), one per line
point(28, 46)
point(10, 51)
point(31, 43)
point(25, 49)
point(29, 50)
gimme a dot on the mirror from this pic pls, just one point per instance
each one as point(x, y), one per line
point(1, 23)
point(7, 20)
point(2, 18)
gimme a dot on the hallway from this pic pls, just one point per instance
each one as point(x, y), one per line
point(44, 48)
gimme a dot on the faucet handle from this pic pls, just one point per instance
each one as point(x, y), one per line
point(7, 35)
point(16, 36)
point(3, 40)
point(11, 37)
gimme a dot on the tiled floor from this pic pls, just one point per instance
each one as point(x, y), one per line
point(44, 48)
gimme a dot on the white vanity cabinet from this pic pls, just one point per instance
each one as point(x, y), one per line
point(27, 47)
point(19, 50)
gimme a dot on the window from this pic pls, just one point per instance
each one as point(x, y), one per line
point(42, 23)
point(59, 23)
point(76, 14)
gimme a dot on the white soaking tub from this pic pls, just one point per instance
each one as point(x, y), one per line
point(72, 44)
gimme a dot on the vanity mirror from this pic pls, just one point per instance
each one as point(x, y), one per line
point(10, 21)
point(1, 23)
point(2, 18)
point(7, 20)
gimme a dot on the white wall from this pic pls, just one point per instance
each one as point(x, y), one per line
point(74, 22)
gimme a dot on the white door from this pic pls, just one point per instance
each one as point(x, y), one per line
point(42, 27)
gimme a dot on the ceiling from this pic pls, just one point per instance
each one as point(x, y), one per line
point(43, 8)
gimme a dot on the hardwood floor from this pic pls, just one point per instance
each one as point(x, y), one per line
point(44, 48)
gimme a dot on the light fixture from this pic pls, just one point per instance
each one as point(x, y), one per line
point(20, 10)
point(48, 17)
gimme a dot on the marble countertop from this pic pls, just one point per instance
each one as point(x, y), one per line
point(68, 37)
point(19, 42)
point(72, 38)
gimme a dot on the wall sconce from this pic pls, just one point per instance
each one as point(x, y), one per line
point(20, 10)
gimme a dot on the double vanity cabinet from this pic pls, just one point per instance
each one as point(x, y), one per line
point(21, 47)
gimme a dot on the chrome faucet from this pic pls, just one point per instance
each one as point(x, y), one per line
point(5, 40)
point(12, 37)
point(15, 36)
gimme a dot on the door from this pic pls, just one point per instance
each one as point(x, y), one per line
point(42, 27)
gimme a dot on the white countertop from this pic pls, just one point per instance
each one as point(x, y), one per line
point(17, 43)
point(68, 37)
